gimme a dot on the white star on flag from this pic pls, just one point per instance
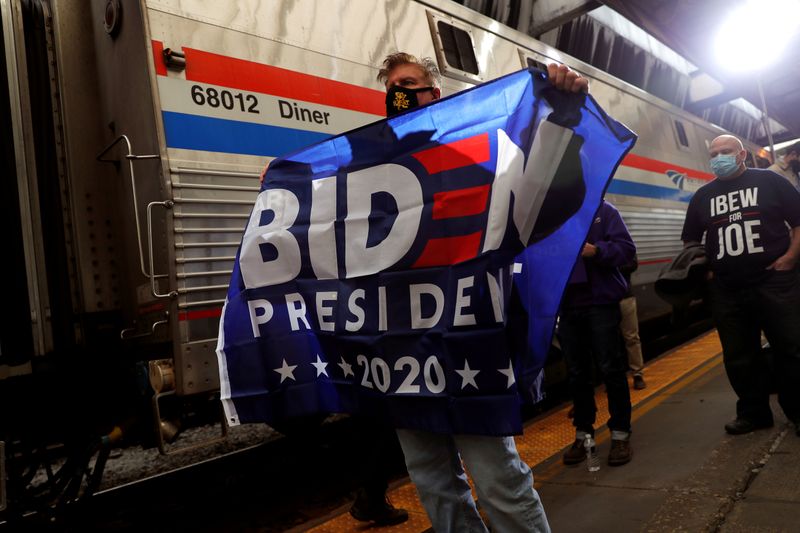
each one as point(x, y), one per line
point(320, 366)
point(467, 375)
point(347, 368)
point(286, 371)
point(509, 373)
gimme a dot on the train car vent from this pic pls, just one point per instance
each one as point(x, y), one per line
point(681, 131)
point(457, 46)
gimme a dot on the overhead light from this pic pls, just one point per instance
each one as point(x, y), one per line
point(781, 146)
point(754, 35)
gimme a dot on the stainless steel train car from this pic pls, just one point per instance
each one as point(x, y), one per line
point(134, 135)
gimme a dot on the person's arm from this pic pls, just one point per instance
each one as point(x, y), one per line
point(692, 232)
point(617, 247)
point(789, 260)
point(629, 268)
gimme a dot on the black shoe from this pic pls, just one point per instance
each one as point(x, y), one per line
point(638, 382)
point(383, 514)
point(575, 454)
point(621, 452)
point(740, 426)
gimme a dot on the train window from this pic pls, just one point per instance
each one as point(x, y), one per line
point(681, 131)
point(530, 59)
point(535, 64)
point(457, 47)
point(454, 42)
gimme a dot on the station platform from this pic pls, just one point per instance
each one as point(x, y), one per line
point(686, 474)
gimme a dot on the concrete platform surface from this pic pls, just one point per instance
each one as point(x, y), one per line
point(687, 474)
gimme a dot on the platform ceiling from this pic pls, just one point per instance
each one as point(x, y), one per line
point(688, 27)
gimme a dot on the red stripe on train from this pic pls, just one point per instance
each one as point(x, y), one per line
point(151, 308)
point(216, 69)
point(158, 58)
point(654, 165)
point(196, 315)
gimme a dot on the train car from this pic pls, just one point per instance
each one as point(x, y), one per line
point(136, 133)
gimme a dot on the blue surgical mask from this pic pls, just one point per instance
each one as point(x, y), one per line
point(724, 165)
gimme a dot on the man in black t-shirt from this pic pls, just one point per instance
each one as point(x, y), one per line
point(751, 221)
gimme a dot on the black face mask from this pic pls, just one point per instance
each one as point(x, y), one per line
point(399, 99)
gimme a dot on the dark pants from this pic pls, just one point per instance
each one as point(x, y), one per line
point(772, 305)
point(380, 457)
point(593, 332)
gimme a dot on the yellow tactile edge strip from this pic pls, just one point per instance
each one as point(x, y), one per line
point(544, 437)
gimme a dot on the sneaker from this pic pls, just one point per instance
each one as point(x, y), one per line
point(575, 454)
point(383, 514)
point(638, 382)
point(621, 452)
point(740, 426)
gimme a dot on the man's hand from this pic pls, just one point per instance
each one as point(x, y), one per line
point(589, 250)
point(565, 79)
point(784, 262)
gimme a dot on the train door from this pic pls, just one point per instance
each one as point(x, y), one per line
point(25, 331)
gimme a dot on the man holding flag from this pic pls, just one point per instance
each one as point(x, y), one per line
point(503, 481)
point(375, 276)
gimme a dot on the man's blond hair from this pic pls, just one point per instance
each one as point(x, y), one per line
point(426, 65)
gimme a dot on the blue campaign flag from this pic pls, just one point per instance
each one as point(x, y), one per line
point(379, 270)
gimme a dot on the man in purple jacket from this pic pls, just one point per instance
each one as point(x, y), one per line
point(589, 328)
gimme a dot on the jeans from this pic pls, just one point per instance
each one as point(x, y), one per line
point(504, 483)
point(630, 333)
point(593, 332)
point(772, 305)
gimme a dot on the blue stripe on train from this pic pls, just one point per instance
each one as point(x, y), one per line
point(194, 132)
point(631, 188)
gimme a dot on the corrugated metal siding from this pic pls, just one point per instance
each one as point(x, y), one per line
point(211, 210)
point(656, 232)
